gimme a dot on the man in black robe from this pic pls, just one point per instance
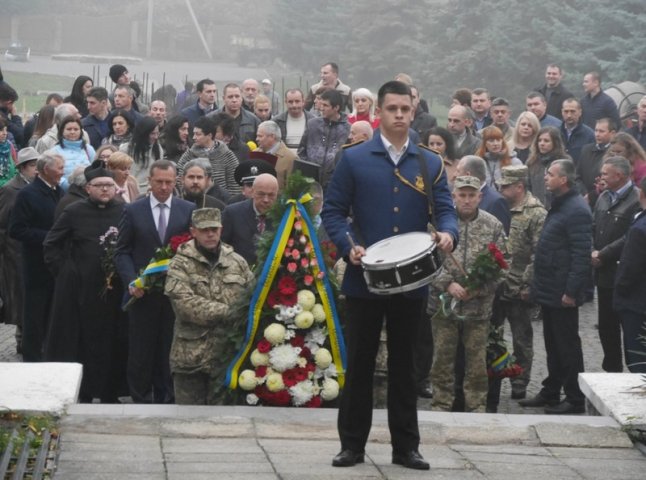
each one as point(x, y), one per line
point(87, 325)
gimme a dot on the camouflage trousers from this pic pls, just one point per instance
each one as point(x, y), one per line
point(197, 389)
point(518, 314)
point(446, 335)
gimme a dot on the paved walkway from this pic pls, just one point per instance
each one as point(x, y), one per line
point(189, 443)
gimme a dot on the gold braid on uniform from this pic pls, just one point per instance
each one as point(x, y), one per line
point(405, 181)
point(425, 147)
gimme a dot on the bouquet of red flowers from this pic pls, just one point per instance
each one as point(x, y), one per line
point(487, 267)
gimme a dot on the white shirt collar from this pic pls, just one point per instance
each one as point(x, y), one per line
point(395, 155)
point(154, 202)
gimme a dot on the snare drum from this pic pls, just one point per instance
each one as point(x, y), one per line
point(399, 264)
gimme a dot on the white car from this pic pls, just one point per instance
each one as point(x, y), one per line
point(17, 53)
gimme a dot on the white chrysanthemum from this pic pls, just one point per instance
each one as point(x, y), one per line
point(247, 380)
point(284, 357)
point(317, 336)
point(275, 382)
point(319, 313)
point(331, 371)
point(323, 358)
point(290, 312)
point(275, 333)
point(259, 359)
point(302, 392)
point(330, 389)
point(297, 309)
point(252, 399)
point(291, 333)
point(304, 320)
point(306, 299)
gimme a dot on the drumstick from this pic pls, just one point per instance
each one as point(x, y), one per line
point(352, 244)
point(451, 256)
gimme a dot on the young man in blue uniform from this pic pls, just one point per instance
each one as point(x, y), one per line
point(381, 182)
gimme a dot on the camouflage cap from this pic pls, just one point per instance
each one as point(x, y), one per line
point(206, 218)
point(467, 181)
point(513, 174)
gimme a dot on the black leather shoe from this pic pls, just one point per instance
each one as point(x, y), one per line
point(347, 458)
point(518, 394)
point(565, 408)
point(425, 392)
point(538, 401)
point(412, 459)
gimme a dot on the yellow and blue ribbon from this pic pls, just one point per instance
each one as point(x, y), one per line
point(153, 267)
point(266, 280)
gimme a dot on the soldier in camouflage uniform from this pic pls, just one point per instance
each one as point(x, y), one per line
point(205, 280)
point(471, 315)
point(527, 217)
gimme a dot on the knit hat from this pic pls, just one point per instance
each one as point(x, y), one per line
point(116, 71)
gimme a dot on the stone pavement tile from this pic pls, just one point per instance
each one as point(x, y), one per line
point(518, 470)
point(216, 468)
point(203, 428)
point(114, 466)
point(265, 429)
point(605, 468)
point(290, 446)
point(597, 453)
point(209, 445)
point(107, 455)
point(67, 475)
point(221, 476)
point(438, 456)
point(248, 457)
point(140, 441)
point(109, 425)
point(514, 458)
point(327, 470)
point(393, 472)
point(502, 449)
point(581, 435)
point(488, 434)
point(342, 474)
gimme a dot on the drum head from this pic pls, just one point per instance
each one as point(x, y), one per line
point(397, 249)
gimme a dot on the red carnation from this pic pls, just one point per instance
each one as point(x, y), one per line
point(289, 300)
point(261, 371)
point(300, 374)
point(315, 402)
point(306, 352)
point(492, 248)
point(263, 346)
point(297, 341)
point(290, 377)
point(282, 398)
point(287, 286)
point(273, 298)
point(500, 260)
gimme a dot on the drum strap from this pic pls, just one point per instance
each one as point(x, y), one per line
point(423, 167)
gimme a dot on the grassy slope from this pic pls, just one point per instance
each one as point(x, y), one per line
point(28, 84)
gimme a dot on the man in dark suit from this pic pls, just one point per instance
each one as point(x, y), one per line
point(31, 219)
point(244, 221)
point(148, 224)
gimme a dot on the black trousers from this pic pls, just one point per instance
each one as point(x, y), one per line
point(38, 302)
point(609, 331)
point(363, 326)
point(564, 354)
point(150, 338)
point(634, 325)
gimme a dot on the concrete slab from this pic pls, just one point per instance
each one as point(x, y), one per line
point(39, 387)
point(569, 435)
point(506, 471)
point(221, 476)
point(603, 469)
point(597, 453)
point(619, 395)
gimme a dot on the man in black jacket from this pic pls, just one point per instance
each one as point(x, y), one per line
point(31, 219)
point(554, 91)
point(612, 216)
point(561, 272)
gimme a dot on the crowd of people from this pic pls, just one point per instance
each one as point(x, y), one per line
point(94, 184)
